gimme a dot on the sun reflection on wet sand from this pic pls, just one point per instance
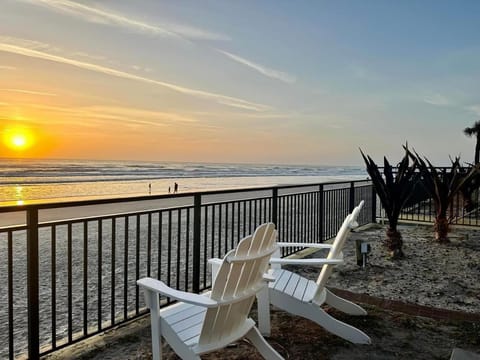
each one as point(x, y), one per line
point(19, 195)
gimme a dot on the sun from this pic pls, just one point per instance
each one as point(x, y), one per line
point(18, 138)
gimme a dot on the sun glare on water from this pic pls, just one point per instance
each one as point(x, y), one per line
point(18, 138)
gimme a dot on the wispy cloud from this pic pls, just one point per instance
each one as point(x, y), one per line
point(29, 44)
point(6, 67)
point(475, 109)
point(140, 68)
point(150, 117)
point(41, 93)
point(107, 17)
point(219, 98)
point(89, 56)
point(271, 73)
point(195, 33)
point(94, 116)
point(437, 100)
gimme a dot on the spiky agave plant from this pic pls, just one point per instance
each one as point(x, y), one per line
point(443, 187)
point(394, 192)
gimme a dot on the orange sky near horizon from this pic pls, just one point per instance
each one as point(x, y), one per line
point(69, 126)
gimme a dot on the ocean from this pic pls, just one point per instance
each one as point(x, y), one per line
point(27, 179)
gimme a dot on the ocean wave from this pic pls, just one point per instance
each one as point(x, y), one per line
point(62, 171)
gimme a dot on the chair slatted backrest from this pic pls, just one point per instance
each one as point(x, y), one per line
point(239, 278)
point(335, 252)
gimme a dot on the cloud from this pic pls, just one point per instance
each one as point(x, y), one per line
point(195, 33)
point(88, 56)
point(29, 44)
point(6, 67)
point(475, 109)
point(92, 116)
point(106, 17)
point(219, 98)
point(128, 114)
point(437, 100)
point(141, 68)
point(29, 92)
point(271, 73)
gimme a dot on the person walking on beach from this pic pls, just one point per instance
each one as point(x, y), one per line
point(169, 189)
point(175, 188)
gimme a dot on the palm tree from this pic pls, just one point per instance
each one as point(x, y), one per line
point(474, 130)
point(394, 188)
point(443, 187)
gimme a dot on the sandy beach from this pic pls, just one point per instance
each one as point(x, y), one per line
point(442, 279)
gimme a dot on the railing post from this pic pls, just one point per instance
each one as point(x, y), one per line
point(32, 284)
point(275, 206)
point(374, 205)
point(351, 203)
point(197, 217)
point(320, 212)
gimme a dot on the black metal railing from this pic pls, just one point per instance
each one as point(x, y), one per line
point(71, 268)
point(421, 208)
point(424, 211)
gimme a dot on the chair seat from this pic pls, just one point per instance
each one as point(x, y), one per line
point(294, 285)
point(186, 320)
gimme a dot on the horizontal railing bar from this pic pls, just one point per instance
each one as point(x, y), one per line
point(302, 193)
point(230, 201)
point(108, 217)
point(154, 211)
point(6, 229)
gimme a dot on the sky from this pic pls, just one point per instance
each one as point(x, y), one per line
point(272, 81)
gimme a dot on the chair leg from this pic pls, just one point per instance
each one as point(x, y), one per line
point(263, 305)
point(336, 327)
point(343, 305)
point(317, 314)
point(265, 349)
point(155, 324)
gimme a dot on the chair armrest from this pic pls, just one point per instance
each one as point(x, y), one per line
point(215, 261)
point(268, 276)
point(310, 245)
point(353, 225)
point(314, 261)
point(160, 287)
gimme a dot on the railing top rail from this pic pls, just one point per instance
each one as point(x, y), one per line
point(55, 203)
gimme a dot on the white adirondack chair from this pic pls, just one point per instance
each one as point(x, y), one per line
point(198, 324)
point(300, 296)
